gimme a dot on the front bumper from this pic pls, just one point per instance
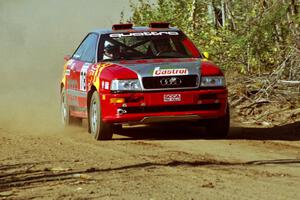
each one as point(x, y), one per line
point(150, 107)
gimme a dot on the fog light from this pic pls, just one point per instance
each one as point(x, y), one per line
point(117, 100)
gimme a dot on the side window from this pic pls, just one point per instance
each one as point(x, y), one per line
point(79, 52)
point(87, 50)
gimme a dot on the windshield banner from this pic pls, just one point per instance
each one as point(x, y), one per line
point(139, 34)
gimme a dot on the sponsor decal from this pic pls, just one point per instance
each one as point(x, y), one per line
point(72, 84)
point(83, 73)
point(172, 97)
point(97, 73)
point(71, 64)
point(79, 109)
point(170, 72)
point(67, 72)
point(106, 85)
point(76, 93)
point(140, 34)
point(72, 101)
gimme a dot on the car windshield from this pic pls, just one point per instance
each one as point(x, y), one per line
point(144, 45)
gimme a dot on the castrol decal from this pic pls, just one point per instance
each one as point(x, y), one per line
point(170, 72)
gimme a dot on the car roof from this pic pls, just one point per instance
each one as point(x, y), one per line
point(133, 29)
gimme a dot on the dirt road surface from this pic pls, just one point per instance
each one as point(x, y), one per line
point(158, 162)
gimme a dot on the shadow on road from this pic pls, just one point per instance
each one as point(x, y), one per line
point(179, 131)
point(289, 132)
point(185, 131)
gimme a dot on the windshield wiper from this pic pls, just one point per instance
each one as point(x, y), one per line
point(168, 56)
point(139, 58)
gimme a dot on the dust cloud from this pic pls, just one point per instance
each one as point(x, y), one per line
point(34, 37)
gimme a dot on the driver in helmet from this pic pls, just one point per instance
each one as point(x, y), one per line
point(111, 51)
point(162, 46)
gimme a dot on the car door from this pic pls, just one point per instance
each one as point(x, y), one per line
point(84, 57)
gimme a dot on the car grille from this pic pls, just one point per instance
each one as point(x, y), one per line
point(177, 108)
point(164, 82)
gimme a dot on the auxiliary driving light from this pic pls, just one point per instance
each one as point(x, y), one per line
point(117, 100)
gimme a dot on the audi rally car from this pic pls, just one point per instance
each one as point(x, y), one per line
point(132, 75)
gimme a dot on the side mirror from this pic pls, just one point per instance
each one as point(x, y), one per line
point(206, 55)
point(67, 57)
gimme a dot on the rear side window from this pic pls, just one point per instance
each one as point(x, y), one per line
point(86, 52)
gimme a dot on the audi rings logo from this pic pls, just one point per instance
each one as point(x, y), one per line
point(172, 81)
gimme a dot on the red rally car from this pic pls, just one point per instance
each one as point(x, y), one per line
point(131, 75)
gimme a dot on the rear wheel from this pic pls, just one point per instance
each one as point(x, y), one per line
point(219, 127)
point(99, 129)
point(66, 118)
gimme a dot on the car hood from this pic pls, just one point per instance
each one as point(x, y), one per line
point(163, 67)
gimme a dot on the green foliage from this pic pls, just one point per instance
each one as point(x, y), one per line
point(254, 38)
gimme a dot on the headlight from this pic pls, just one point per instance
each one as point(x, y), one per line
point(125, 85)
point(213, 81)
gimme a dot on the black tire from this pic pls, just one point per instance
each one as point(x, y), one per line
point(99, 129)
point(66, 118)
point(219, 128)
point(117, 127)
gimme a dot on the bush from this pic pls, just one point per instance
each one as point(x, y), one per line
point(248, 36)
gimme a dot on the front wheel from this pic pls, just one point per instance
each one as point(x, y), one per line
point(99, 129)
point(219, 127)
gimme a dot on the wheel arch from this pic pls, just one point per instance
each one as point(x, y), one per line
point(61, 87)
point(89, 97)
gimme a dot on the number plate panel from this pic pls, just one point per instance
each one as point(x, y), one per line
point(172, 97)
